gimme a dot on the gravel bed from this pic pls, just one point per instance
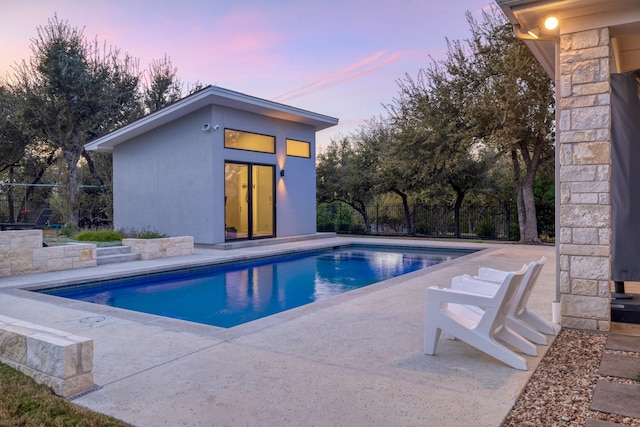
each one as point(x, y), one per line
point(560, 390)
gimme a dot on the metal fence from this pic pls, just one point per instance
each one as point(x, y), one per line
point(24, 202)
point(494, 222)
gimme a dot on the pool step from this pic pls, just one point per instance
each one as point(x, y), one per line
point(114, 254)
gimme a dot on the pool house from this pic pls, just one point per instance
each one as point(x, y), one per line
point(217, 165)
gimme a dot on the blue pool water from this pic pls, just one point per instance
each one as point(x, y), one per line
point(231, 294)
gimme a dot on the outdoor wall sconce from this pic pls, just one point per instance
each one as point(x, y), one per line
point(282, 173)
point(548, 31)
point(551, 23)
point(534, 32)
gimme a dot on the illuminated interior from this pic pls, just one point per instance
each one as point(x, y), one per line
point(298, 148)
point(240, 140)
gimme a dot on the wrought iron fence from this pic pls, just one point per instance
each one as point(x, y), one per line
point(24, 202)
point(495, 222)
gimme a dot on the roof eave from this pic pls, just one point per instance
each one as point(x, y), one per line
point(210, 96)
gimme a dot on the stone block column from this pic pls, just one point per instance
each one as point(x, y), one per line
point(583, 147)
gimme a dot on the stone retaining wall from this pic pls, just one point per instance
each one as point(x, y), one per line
point(21, 252)
point(57, 359)
point(160, 248)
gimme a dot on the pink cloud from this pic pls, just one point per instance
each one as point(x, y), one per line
point(351, 72)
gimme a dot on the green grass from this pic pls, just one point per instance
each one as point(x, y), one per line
point(23, 402)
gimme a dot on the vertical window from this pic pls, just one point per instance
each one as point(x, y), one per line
point(240, 140)
point(298, 148)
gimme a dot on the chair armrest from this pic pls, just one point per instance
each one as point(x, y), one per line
point(475, 285)
point(439, 295)
point(492, 274)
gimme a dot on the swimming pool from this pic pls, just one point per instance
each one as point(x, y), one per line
point(228, 295)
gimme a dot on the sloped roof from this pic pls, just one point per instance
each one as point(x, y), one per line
point(211, 95)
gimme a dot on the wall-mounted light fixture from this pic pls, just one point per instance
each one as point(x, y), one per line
point(535, 33)
point(282, 173)
point(551, 23)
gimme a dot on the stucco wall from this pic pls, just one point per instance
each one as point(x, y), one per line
point(585, 162)
point(171, 180)
point(163, 179)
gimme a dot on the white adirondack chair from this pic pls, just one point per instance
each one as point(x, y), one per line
point(519, 319)
point(452, 311)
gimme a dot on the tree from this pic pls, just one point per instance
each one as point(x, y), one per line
point(162, 85)
point(345, 172)
point(489, 97)
point(511, 101)
point(13, 141)
point(435, 142)
point(391, 174)
point(22, 158)
point(74, 92)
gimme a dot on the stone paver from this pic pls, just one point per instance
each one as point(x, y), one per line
point(620, 365)
point(623, 343)
point(616, 398)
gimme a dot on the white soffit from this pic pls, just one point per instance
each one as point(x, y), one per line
point(622, 17)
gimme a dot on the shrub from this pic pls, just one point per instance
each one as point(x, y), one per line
point(423, 228)
point(487, 230)
point(68, 230)
point(143, 233)
point(98, 236)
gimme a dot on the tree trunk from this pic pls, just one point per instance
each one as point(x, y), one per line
point(407, 212)
point(365, 216)
point(92, 168)
point(456, 209)
point(12, 216)
point(71, 159)
point(525, 201)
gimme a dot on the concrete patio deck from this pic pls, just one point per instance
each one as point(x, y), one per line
point(355, 359)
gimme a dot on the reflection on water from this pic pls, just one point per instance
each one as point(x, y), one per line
point(230, 295)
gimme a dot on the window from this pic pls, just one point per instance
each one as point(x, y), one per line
point(249, 141)
point(298, 148)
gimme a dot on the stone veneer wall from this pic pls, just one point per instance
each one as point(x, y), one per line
point(585, 162)
point(57, 359)
point(160, 248)
point(21, 252)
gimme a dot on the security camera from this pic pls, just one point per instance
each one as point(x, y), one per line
point(205, 127)
point(216, 127)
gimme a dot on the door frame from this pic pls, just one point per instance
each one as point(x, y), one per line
point(250, 206)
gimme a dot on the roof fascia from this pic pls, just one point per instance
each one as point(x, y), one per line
point(212, 95)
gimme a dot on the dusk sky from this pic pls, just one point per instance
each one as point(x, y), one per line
point(341, 58)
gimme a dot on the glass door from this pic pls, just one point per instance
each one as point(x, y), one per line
point(249, 209)
point(262, 201)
